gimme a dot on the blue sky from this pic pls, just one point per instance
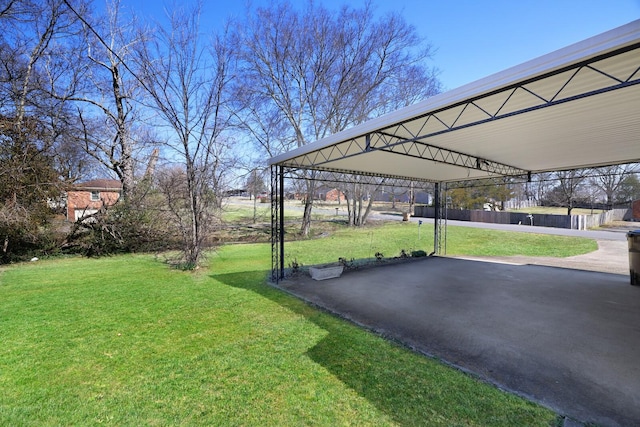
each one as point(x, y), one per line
point(473, 39)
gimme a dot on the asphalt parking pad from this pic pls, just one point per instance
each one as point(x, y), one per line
point(569, 339)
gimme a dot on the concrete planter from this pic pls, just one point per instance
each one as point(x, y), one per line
point(326, 272)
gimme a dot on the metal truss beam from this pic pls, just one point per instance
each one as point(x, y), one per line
point(316, 159)
point(523, 97)
point(353, 178)
point(412, 147)
point(416, 148)
point(490, 182)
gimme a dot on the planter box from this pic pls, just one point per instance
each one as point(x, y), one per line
point(326, 272)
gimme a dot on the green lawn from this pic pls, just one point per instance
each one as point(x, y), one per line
point(126, 340)
point(393, 237)
point(245, 213)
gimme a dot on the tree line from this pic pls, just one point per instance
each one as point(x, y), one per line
point(91, 90)
point(606, 187)
point(176, 113)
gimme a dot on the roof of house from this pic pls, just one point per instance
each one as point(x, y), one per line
point(99, 184)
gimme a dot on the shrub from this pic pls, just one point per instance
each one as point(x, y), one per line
point(134, 225)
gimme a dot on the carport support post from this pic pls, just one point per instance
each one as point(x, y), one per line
point(436, 219)
point(277, 223)
point(281, 210)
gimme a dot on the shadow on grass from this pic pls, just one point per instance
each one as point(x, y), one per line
point(409, 388)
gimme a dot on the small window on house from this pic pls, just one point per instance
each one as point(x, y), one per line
point(95, 196)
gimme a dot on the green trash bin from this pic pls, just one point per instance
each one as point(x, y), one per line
point(633, 238)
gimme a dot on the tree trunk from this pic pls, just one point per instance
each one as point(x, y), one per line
point(122, 133)
point(354, 207)
point(363, 221)
point(347, 201)
point(127, 168)
point(412, 199)
point(193, 253)
point(305, 229)
point(151, 165)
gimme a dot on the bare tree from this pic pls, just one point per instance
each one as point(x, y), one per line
point(611, 178)
point(255, 182)
point(30, 123)
point(321, 72)
point(539, 186)
point(100, 82)
point(187, 86)
point(568, 189)
point(357, 193)
point(6, 7)
point(31, 31)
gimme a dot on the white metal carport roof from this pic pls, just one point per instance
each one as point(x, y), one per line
point(576, 107)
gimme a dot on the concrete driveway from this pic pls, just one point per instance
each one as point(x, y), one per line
point(568, 339)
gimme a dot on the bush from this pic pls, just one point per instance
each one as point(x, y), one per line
point(136, 225)
point(23, 236)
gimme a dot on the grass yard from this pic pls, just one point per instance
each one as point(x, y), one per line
point(125, 340)
point(238, 223)
point(244, 213)
point(393, 237)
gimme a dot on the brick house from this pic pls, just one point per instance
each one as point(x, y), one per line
point(334, 195)
point(88, 197)
point(635, 209)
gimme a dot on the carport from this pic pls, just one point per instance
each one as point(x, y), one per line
point(573, 108)
point(568, 339)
